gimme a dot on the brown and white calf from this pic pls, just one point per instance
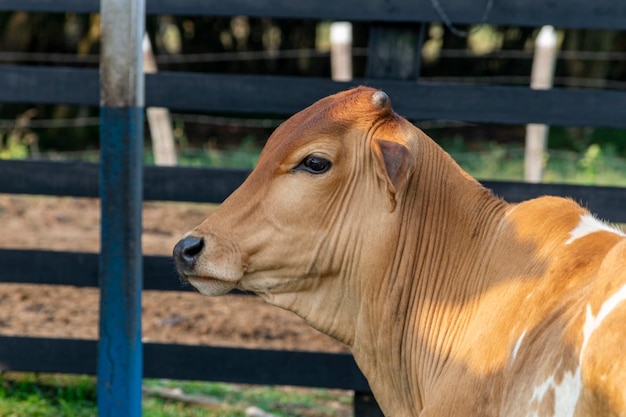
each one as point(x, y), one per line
point(454, 302)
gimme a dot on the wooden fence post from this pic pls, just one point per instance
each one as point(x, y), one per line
point(542, 75)
point(121, 163)
point(341, 51)
point(159, 121)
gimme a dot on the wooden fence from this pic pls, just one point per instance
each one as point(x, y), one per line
point(282, 96)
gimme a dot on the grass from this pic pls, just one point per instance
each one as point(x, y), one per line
point(44, 395)
point(279, 401)
point(47, 396)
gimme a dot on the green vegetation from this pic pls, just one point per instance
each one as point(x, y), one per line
point(14, 144)
point(75, 396)
point(47, 396)
point(245, 155)
point(232, 400)
point(595, 165)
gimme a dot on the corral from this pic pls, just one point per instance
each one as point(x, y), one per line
point(225, 93)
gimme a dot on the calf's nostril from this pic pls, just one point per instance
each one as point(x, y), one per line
point(188, 249)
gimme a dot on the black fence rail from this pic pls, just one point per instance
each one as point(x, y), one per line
point(278, 96)
point(282, 95)
point(605, 14)
point(253, 366)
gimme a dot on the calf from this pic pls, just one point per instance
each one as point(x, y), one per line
point(453, 302)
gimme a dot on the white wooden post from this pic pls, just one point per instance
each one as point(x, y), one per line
point(159, 120)
point(542, 76)
point(341, 51)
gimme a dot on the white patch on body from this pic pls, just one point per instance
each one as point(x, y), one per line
point(593, 322)
point(565, 394)
point(587, 225)
point(518, 344)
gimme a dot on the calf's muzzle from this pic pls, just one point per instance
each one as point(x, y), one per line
point(186, 253)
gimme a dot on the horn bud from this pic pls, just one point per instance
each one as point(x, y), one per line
point(381, 100)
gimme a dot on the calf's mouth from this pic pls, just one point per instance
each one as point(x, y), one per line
point(212, 265)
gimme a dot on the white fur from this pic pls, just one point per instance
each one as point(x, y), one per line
point(518, 344)
point(593, 322)
point(566, 393)
point(589, 224)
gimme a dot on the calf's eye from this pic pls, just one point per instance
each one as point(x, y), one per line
point(314, 164)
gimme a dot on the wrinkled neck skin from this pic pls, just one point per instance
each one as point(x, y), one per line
point(421, 289)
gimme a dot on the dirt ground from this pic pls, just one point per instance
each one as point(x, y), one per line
point(72, 224)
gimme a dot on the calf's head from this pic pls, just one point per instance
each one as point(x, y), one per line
point(320, 207)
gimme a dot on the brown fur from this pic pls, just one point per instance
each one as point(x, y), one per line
point(453, 302)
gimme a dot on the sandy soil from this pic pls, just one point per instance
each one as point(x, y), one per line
point(72, 224)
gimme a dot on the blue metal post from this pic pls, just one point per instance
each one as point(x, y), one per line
point(121, 142)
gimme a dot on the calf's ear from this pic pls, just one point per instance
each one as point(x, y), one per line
point(394, 163)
